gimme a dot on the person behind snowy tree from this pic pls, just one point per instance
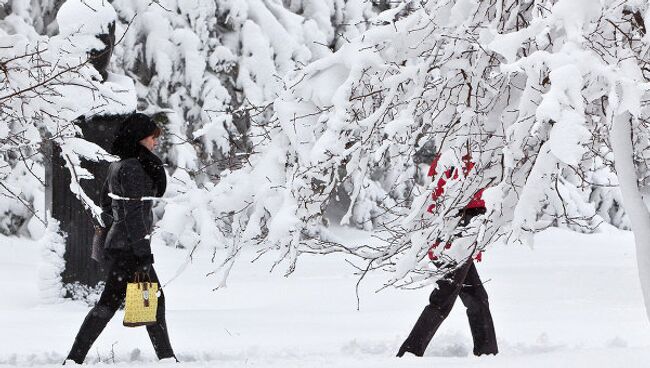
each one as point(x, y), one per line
point(462, 280)
point(126, 249)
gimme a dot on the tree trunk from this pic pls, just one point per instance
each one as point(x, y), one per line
point(621, 141)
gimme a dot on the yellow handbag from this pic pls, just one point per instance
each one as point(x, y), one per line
point(141, 302)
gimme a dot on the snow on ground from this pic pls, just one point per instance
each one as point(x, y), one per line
point(573, 301)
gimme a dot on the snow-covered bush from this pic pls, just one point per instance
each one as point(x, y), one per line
point(52, 247)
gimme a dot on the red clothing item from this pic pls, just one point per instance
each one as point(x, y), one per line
point(475, 202)
point(452, 174)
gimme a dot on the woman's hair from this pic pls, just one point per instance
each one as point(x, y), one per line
point(156, 133)
point(133, 129)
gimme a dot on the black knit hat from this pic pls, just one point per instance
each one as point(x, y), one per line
point(133, 129)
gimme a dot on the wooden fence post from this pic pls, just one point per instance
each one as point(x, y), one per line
point(68, 210)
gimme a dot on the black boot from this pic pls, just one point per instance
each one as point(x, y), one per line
point(92, 326)
point(423, 331)
point(158, 332)
point(160, 340)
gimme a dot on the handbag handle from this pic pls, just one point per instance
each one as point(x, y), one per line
point(141, 277)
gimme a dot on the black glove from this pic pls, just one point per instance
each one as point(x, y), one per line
point(143, 263)
point(467, 214)
point(141, 248)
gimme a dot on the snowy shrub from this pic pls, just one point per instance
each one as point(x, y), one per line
point(52, 245)
point(88, 294)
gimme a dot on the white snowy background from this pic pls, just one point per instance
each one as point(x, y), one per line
point(291, 131)
point(562, 304)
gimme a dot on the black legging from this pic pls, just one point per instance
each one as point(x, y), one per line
point(464, 282)
point(120, 272)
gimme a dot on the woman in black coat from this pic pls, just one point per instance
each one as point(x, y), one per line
point(129, 220)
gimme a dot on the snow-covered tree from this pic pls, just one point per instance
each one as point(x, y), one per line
point(595, 57)
point(212, 67)
point(546, 96)
point(283, 116)
point(46, 83)
point(216, 66)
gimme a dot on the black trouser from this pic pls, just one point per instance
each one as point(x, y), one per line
point(464, 282)
point(120, 271)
